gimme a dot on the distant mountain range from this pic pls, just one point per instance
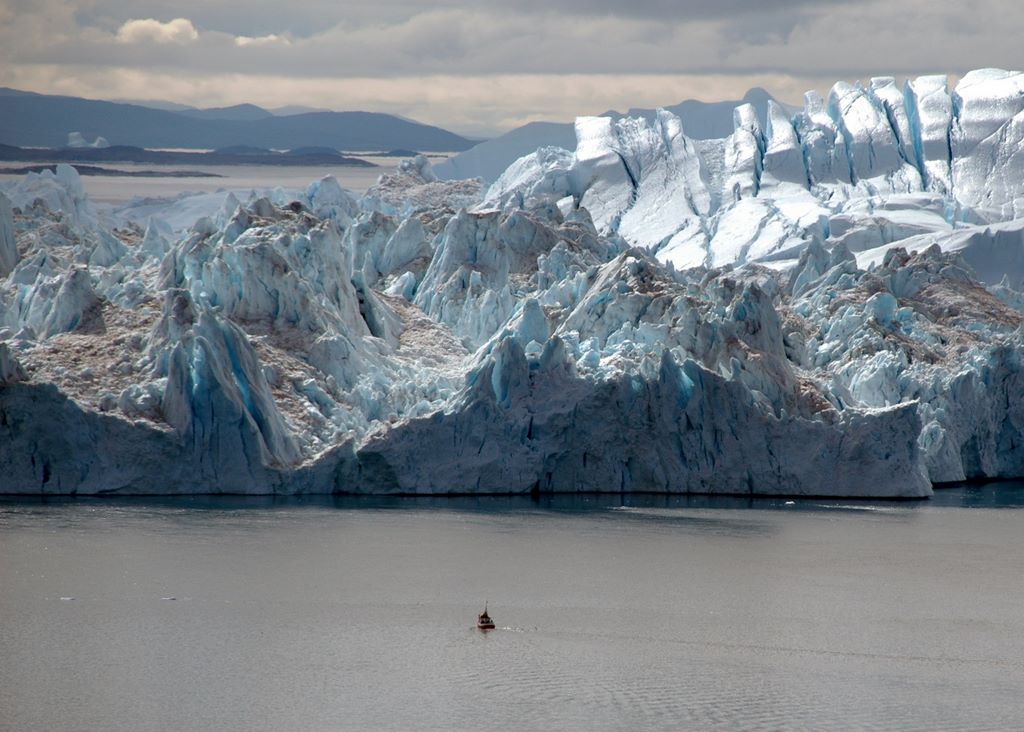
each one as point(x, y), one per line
point(29, 119)
point(286, 111)
point(234, 155)
point(701, 121)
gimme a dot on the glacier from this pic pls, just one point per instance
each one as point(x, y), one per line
point(828, 303)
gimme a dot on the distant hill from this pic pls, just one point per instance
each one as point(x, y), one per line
point(489, 159)
point(155, 104)
point(28, 119)
point(238, 112)
point(7, 92)
point(293, 109)
point(286, 111)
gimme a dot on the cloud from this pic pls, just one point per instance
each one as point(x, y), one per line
point(261, 40)
point(483, 65)
point(845, 39)
point(179, 30)
point(263, 17)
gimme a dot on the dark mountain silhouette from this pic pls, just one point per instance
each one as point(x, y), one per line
point(28, 119)
point(238, 112)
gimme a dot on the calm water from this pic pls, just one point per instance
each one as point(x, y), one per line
point(237, 178)
point(661, 614)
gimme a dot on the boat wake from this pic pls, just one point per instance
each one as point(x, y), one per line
point(511, 629)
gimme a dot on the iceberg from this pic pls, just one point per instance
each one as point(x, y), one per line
point(824, 303)
point(77, 140)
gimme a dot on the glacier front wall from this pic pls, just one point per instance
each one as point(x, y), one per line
point(688, 431)
point(598, 321)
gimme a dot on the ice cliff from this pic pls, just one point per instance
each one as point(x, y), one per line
point(829, 304)
point(870, 165)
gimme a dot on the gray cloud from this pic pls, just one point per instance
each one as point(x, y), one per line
point(402, 47)
point(262, 17)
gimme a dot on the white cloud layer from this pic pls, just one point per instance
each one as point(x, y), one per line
point(179, 30)
point(482, 65)
point(260, 40)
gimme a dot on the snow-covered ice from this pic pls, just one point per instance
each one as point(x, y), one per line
point(828, 303)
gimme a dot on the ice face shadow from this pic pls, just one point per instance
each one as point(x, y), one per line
point(649, 506)
point(995, 494)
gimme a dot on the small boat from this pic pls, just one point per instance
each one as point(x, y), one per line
point(483, 620)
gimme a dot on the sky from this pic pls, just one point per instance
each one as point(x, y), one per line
point(480, 67)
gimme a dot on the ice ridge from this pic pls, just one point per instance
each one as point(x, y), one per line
point(831, 305)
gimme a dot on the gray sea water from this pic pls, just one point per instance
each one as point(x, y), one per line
point(117, 189)
point(613, 613)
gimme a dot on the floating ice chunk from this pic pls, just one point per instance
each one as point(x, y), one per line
point(77, 140)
